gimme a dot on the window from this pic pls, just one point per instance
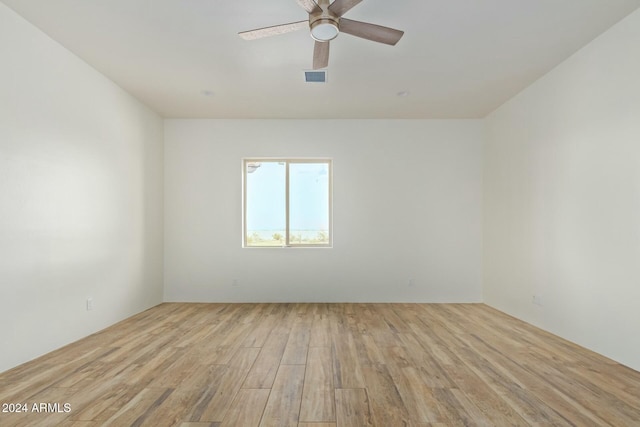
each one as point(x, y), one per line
point(287, 202)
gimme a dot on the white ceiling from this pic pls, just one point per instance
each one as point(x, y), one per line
point(457, 59)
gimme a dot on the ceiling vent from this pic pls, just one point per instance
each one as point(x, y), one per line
point(315, 76)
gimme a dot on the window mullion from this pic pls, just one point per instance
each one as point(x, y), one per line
point(286, 198)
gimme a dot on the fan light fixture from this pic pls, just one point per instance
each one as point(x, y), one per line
point(324, 30)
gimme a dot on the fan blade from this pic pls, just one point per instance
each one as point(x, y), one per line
point(274, 31)
point(320, 55)
point(376, 33)
point(310, 6)
point(340, 7)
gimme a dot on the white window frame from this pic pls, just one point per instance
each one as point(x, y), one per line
point(287, 161)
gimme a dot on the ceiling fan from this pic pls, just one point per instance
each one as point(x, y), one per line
point(325, 23)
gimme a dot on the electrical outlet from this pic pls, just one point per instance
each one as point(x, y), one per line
point(537, 300)
point(89, 304)
point(410, 283)
point(234, 282)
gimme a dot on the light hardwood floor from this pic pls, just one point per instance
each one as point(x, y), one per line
point(323, 365)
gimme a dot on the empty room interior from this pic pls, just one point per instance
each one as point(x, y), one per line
point(319, 214)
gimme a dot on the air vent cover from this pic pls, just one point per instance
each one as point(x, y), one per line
point(315, 76)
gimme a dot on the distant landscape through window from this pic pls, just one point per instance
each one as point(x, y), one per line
point(287, 202)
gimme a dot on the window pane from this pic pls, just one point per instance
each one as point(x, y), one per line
point(265, 203)
point(309, 203)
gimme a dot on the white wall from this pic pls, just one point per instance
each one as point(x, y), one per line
point(407, 205)
point(80, 197)
point(562, 198)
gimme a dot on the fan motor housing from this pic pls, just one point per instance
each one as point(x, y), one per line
point(324, 24)
point(324, 29)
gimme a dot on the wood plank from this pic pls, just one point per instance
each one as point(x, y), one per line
point(199, 424)
point(352, 408)
point(316, 424)
point(170, 412)
point(283, 406)
point(295, 352)
point(453, 412)
point(485, 398)
point(261, 329)
point(72, 423)
point(419, 399)
point(102, 404)
point(346, 366)
point(318, 397)
point(227, 386)
point(320, 335)
point(385, 403)
point(247, 408)
point(368, 351)
point(136, 411)
point(263, 372)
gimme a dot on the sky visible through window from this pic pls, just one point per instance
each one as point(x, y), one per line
point(266, 203)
